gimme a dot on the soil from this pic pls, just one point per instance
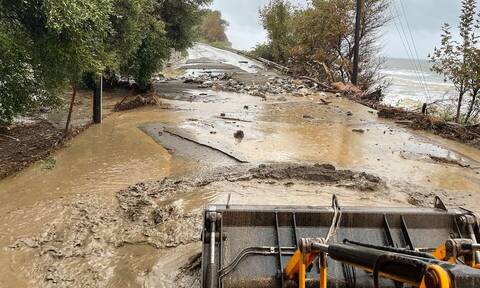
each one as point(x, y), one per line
point(24, 144)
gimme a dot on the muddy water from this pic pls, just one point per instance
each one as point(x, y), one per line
point(111, 156)
point(102, 160)
point(99, 162)
point(303, 130)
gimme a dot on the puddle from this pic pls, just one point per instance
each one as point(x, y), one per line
point(104, 159)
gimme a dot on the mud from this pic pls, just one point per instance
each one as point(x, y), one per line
point(84, 242)
point(324, 173)
point(139, 101)
point(25, 144)
point(79, 224)
point(41, 134)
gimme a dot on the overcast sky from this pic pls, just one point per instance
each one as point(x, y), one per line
point(425, 18)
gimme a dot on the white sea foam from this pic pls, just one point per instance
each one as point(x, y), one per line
point(411, 85)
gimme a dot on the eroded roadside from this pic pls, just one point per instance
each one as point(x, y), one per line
point(122, 205)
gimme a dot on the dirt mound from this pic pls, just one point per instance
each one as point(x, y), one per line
point(323, 173)
point(137, 102)
point(465, 134)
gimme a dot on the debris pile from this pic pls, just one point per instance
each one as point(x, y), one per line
point(274, 86)
point(466, 134)
point(137, 102)
point(205, 80)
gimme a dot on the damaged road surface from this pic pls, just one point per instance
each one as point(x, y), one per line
point(122, 204)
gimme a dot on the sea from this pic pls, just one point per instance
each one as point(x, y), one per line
point(412, 83)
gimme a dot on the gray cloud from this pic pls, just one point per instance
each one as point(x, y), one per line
point(425, 18)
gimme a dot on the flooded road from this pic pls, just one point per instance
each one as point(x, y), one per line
point(194, 136)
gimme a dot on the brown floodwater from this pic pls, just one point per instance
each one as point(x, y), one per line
point(303, 130)
point(109, 157)
point(103, 159)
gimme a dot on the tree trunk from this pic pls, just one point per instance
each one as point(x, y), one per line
point(69, 117)
point(459, 107)
point(472, 104)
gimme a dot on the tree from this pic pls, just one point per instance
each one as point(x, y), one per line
point(60, 41)
point(276, 19)
point(319, 40)
point(474, 67)
point(56, 42)
point(180, 18)
point(212, 29)
point(148, 31)
point(21, 89)
point(80, 30)
point(457, 61)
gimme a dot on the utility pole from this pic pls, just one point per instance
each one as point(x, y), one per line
point(356, 48)
point(97, 101)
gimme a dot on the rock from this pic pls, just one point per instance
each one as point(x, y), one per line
point(349, 113)
point(222, 114)
point(245, 107)
point(324, 102)
point(358, 131)
point(239, 134)
point(307, 117)
point(206, 84)
point(304, 91)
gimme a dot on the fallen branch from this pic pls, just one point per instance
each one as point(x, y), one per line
point(323, 85)
point(10, 137)
point(233, 119)
point(325, 102)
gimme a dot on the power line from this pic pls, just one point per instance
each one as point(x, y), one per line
point(408, 48)
point(414, 47)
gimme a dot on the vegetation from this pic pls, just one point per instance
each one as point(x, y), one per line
point(212, 29)
point(318, 40)
point(459, 62)
point(277, 20)
point(49, 45)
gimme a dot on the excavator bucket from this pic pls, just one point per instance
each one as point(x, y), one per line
point(251, 246)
